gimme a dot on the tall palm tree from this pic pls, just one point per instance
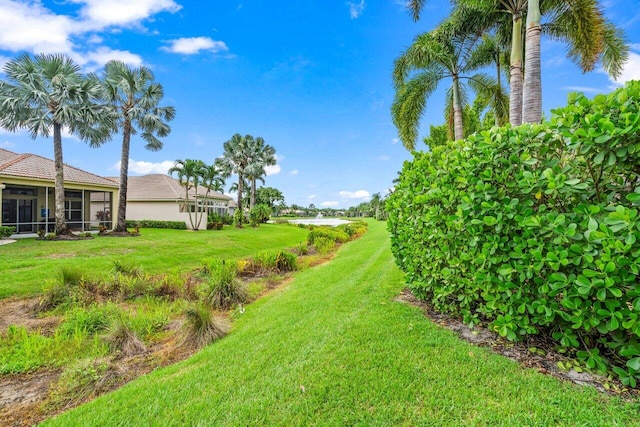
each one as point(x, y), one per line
point(235, 159)
point(591, 39)
point(262, 155)
point(45, 93)
point(134, 96)
point(434, 56)
point(190, 173)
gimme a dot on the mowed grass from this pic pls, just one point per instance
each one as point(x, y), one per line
point(28, 263)
point(333, 348)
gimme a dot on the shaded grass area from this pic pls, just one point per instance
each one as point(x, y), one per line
point(334, 348)
point(28, 263)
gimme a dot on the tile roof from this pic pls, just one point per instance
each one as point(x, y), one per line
point(36, 167)
point(162, 187)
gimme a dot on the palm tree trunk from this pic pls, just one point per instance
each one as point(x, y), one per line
point(240, 190)
point(496, 119)
point(121, 225)
point(198, 219)
point(189, 205)
point(61, 224)
point(532, 90)
point(252, 201)
point(515, 75)
point(458, 129)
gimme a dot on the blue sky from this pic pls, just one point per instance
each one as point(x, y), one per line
point(310, 77)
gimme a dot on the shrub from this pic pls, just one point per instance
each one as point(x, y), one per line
point(286, 261)
point(203, 327)
point(6, 232)
point(534, 229)
point(259, 214)
point(331, 233)
point(151, 223)
point(214, 225)
point(223, 290)
point(324, 245)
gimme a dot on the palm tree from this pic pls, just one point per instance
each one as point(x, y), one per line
point(44, 94)
point(437, 55)
point(235, 159)
point(212, 181)
point(135, 98)
point(590, 37)
point(262, 155)
point(190, 174)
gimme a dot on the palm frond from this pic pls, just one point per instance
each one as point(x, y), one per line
point(409, 104)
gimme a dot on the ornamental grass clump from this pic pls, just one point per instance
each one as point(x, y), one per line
point(222, 289)
point(123, 339)
point(534, 229)
point(203, 327)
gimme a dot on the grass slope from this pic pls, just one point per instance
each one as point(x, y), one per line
point(333, 348)
point(157, 251)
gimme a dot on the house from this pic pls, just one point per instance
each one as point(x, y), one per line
point(27, 182)
point(162, 198)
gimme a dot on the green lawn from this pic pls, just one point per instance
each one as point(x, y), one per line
point(334, 348)
point(26, 264)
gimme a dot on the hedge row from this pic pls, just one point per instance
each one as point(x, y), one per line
point(534, 229)
point(151, 223)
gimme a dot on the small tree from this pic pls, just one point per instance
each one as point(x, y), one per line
point(190, 173)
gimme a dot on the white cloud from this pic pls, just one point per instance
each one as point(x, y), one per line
point(31, 27)
point(356, 9)
point(7, 144)
point(105, 13)
point(330, 204)
point(630, 71)
point(360, 194)
point(272, 170)
point(384, 158)
point(144, 168)
point(193, 45)
point(311, 196)
point(295, 172)
point(395, 140)
point(95, 60)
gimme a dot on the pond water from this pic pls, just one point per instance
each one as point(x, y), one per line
point(319, 221)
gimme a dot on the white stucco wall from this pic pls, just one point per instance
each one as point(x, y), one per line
point(160, 211)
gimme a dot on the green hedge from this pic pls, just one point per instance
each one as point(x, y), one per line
point(6, 232)
point(534, 229)
point(151, 223)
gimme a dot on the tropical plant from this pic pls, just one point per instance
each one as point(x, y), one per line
point(46, 93)
point(434, 56)
point(211, 181)
point(269, 196)
point(262, 155)
point(134, 97)
point(590, 37)
point(190, 173)
point(259, 214)
point(236, 159)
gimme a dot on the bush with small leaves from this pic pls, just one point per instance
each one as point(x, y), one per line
point(534, 229)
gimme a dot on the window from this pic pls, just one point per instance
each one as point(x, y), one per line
point(73, 210)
